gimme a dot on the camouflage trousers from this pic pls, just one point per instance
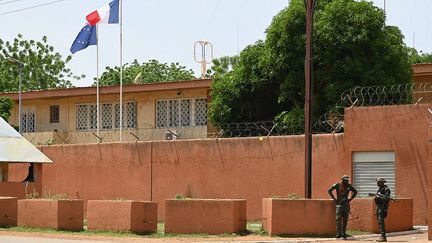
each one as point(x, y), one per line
point(381, 214)
point(342, 214)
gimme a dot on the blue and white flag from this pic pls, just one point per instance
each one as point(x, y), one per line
point(86, 37)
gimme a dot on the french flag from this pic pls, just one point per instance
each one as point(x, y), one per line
point(108, 14)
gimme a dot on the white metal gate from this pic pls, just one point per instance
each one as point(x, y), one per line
point(368, 166)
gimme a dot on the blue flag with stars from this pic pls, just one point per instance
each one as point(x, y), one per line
point(85, 38)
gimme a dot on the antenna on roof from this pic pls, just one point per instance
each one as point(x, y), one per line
point(205, 47)
point(137, 78)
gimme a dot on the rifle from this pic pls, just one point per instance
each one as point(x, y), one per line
point(379, 195)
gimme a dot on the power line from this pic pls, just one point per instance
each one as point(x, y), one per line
point(32, 7)
point(9, 2)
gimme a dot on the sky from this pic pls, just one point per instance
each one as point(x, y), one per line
point(166, 30)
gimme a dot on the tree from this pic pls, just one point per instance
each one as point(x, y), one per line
point(352, 47)
point(245, 92)
point(5, 107)
point(44, 68)
point(148, 72)
point(419, 57)
point(222, 65)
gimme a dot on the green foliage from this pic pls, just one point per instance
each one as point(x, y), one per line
point(5, 107)
point(352, 47)
point(253, 228)
point(293, 119)
point(184, 197)
point(245, 92)
point(419, 57)
point(43, 67)
point(293, 196)
point(179, 197)
point(222, 65)
point(148, 72)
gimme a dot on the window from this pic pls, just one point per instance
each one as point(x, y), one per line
point(54, 114)
point(28, 121)
point(181, 112)
point(86, 118)
point(107, 116)
point(201, 112)
point(368, 166)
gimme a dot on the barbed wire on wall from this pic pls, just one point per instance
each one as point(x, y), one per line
point(333, 120)
point(330, 122)
point(379, 95)
point(149, 133)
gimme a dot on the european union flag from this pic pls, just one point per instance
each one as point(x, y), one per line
point(85, 38)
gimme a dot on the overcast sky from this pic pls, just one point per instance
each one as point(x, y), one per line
point(166, 30)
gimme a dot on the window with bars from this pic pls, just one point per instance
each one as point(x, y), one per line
point(28, 122)
point(181, 112)
point(86, 118)
point(201, 112)
point(54, 114)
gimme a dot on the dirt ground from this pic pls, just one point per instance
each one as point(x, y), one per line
point(414, 236)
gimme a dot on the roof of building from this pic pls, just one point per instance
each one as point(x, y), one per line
point(130, 88)
point(422, 69)
point(14, 148)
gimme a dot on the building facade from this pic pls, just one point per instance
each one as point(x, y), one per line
point(172, 110)
point(422, 77)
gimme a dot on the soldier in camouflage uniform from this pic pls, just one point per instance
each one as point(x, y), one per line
point(382, 199)
point(342, 201)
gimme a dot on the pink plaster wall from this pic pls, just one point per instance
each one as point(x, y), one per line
point(299, 217)
point(133, 216)
point(363, 218)
point(205, 216)
point(8, 211)
point(403, 129)
point(245, 167)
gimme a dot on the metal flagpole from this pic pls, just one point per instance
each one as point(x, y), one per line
point(121, 69)
point(97, 83)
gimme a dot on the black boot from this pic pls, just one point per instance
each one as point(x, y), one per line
point(382, 239)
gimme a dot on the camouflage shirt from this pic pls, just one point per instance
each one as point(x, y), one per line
point(383, 197)
point(342, 193)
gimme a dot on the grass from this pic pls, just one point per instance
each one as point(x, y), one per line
point(357, 232)
point(252, 228)
point(159, 234)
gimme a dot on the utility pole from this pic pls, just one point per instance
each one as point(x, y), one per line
point(309, 4)
point(414, 40)
point(20, 65)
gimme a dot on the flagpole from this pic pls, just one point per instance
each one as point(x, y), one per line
point(121, 69)
point(97, 83)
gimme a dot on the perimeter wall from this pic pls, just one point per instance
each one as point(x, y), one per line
point(247, 168)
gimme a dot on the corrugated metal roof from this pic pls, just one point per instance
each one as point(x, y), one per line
point(14, 148)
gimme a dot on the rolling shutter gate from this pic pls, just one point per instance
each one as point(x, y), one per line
point(368, 166)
